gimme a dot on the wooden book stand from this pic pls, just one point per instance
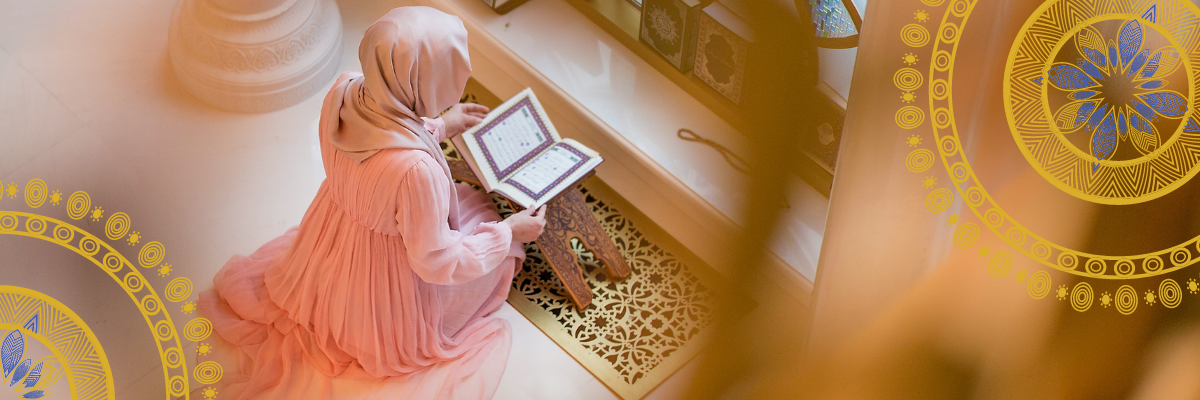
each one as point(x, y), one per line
point(567, 216)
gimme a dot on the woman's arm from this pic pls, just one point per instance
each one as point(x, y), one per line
point(456, 120)
point(436, 127)
point(437, 253)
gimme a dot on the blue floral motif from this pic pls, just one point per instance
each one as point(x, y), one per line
point(28, 379)
point(1117, 90)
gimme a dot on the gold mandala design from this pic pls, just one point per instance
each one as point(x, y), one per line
point(1039, 38)
point(118, 267)
point(77, 354)
point(1034, 76)
point(110, 260)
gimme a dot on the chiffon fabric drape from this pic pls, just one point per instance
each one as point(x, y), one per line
point(372, 296)
point(386, 287)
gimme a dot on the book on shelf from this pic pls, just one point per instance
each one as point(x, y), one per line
point(516, 152)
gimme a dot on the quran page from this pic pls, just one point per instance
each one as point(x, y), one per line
point(515, 151)
point(511, 135)
point(513, 139)
point(549, 173)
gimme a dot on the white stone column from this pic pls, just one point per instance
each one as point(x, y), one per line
point(255, 55)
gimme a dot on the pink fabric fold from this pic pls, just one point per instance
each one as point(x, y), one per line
point(384, 290)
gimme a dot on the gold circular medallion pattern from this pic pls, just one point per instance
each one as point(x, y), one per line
point(1099, 102)
point(1147, 48)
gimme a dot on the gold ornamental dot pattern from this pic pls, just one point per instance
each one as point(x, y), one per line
point(112, 262)
point(1169, 293)
point(35, 193)
point(1181, 257)
point(63, 234)
point(907, 79)
point(177, 385)
point(938, 200)
point(117, 226)
point(89, 246)
point(960, 8)
point(1081, 296)
point(78, 205)
point(150, 305)
point(1124, 267)
point(151, 254)
point(173, 357)
point(942, 51)
point(941, 60)
point(959, 172)
point(1067, 260)
point(1040, 250)
point(1038, 284)
point(179, 289)
point(207, 373)
point(914, 35)
point(948, 145)
point(948, 33)
point(919, 160)
point(133, 281)
point(35, 225)
point(941, 118)
point(993, 218)
point(966, 235)
point(1015, 236)
point(197, 329)
point(940, 89)
point(163, 331)
point(975, 196)
point(909, 117)
point(1126, 299)
point(1152, 264)
point(1000, 263)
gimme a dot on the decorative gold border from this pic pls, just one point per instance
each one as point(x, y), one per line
point(985, 207)
point(94, 381)
point(121, 270)
point(1038, 283)
point(1020, 92)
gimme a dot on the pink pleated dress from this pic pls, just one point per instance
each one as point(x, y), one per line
point(373, 296)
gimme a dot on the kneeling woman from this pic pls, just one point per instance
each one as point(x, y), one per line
point(385, 290)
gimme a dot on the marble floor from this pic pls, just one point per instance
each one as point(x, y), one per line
point(88, 101)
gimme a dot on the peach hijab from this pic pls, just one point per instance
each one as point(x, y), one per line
point(415, 65)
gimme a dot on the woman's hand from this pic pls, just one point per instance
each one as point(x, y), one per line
point(526, 225)
point(462, 117)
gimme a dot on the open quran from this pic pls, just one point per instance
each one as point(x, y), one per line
point(516, 152)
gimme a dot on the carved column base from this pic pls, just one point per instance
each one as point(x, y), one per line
point(269, 55)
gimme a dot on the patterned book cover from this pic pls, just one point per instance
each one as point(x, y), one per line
point(721, 53)
point(669, 27)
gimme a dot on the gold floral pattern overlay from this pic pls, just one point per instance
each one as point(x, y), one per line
point(936, 57)
point(120, 263)
point(638, 331)
point(77, 353)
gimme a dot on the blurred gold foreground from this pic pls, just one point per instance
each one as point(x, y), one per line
point(878, 330)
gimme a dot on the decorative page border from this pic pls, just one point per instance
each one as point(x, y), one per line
point(487, 154)
point(583, 159)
